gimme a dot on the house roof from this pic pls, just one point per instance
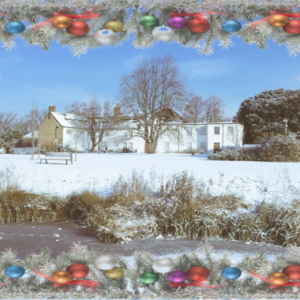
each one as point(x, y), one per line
point(64, 119)
point(169, 113)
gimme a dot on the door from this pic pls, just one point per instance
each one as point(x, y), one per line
point(146, 148)
point(216, 147)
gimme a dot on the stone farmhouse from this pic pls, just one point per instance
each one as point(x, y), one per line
point(59, 128)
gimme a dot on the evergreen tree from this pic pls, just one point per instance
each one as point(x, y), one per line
point(263, 114)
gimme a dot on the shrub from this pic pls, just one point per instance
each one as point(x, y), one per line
point(286, 146)
point(233, 154)
point(190, 151)
point(110, 150)
point(47, 148)
point(126, 150)
point(225, 155)
point(25, 142)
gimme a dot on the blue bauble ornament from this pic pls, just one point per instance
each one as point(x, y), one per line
point(15, 271)
point(231, 26)
point(15, 27)
point(231, 273)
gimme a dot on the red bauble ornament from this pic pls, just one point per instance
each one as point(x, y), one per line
point(78, 28)
point(292, 272)
point(78, 270)
point(198, 273)
point(198, 25)
point(292, 27)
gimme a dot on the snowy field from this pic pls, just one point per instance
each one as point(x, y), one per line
point(254, 181)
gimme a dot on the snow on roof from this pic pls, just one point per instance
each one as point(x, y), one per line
point(29, 135)
point(64, 119)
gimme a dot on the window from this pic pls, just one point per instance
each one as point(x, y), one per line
point(69, 131)
point(203, 146)
point(217, 130)
point(103, 145)
point(189, 130)
point(128, 134)
point(106, 133)
point(189, 145)
point(166, 145)
point(203, 131)
point(128, 145)
point(230, 130)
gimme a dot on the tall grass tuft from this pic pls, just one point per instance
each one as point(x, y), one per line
point(136, 208)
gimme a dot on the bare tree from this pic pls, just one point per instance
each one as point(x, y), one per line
point(235, 136)
point(33, 128)
point(151, 94)
point(194, 111)
point(25, 123)
point(78, 131)
point(214, 109)
point(93, 118)
point(7, 133)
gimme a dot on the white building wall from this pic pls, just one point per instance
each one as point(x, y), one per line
point(112, 142)
point(201, 137)
point(69, 139)
point(186, 139)
point(222, 137)
point(195, 140)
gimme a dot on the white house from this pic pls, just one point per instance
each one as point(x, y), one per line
point(206, 137)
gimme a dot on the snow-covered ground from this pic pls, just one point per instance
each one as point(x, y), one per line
point(254, 181)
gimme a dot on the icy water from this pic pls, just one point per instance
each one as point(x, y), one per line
point(27, 238)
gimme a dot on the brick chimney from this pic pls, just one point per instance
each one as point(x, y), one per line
point(117, 113)
point(52, 108)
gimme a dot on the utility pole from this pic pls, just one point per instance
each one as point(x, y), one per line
point(285, 126)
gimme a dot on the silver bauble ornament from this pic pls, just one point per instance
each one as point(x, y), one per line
point(105, 262)
point(164, 265)
point(163, 33)
point(105, 36)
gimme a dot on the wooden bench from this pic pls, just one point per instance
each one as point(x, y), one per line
point(67, 156)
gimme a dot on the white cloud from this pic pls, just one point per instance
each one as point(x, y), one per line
point(210, 68)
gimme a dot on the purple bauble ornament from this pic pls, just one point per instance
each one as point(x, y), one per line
point(177, 22)
point(177, 276)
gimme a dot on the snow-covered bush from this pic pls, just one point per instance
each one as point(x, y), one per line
point(229, 155)
point(191, 151)
point(286, 146)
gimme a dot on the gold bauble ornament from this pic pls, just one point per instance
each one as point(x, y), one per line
point(61, 22)
point(278, 278)
point(278, 20)
point(114, 273)
point(61, 277)
point(114, 26)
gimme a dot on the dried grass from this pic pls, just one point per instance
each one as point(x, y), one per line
point(181, 207)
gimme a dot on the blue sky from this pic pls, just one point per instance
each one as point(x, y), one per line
point(56, 77)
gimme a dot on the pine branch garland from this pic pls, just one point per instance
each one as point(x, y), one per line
point(129, 13)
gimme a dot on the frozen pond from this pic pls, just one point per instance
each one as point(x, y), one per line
point(27, 238)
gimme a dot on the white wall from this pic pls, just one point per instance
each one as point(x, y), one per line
point(221, 138)
point(166, 143)
point(83, 143)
